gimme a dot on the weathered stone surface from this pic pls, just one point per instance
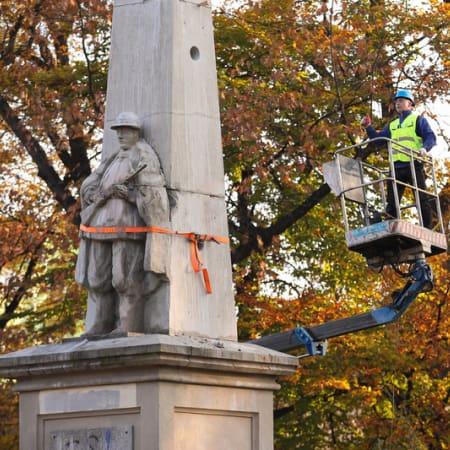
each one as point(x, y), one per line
point(148, 350)
point(176, 392)
point(115, 438)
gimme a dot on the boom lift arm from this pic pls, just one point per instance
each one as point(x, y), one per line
point(391, 241)
point(315, 338)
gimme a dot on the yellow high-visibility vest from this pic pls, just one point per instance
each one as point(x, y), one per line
point(405, 133)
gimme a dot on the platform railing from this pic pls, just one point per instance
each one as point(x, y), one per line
point(364, 185)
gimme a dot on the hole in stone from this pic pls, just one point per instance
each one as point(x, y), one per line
point(195, 53)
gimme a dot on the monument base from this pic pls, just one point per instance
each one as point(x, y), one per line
point(152, 392)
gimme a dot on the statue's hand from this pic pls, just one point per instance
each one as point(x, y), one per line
point(101, 197)
point(90, 195)
point(120, 191)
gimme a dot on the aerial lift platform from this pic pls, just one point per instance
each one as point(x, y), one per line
point(362, 188)
point(382, 240)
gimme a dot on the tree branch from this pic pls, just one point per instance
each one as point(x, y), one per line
point(260, 239)
point(45, 170)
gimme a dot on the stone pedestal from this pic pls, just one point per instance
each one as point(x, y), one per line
point(152, 392)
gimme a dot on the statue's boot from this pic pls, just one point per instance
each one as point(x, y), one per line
point(131, 315)
point(105, 314)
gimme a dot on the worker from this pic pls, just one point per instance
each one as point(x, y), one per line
point(414, 132)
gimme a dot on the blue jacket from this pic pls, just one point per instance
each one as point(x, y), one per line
point(423, 130)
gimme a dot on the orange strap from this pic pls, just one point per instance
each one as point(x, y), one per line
point(196, 241)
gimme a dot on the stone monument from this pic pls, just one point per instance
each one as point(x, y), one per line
point(162, 68)
point(158, 367)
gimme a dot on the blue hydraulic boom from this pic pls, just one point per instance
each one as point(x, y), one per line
point(315, 338)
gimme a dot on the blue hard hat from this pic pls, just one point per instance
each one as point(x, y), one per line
point(404, 93)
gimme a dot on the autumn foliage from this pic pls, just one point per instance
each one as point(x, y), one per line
point(295, 77)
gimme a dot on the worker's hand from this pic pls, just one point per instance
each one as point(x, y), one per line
point(423, 152)
point(366, 121)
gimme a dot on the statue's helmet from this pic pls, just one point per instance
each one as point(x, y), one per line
point(127, 119)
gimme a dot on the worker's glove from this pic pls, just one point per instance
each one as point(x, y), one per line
point(366, 121)
point(423, 152)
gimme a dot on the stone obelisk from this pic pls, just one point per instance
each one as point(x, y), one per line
point(185, 384)
point(162, 67)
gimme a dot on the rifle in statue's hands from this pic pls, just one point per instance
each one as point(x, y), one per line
point(88, 212)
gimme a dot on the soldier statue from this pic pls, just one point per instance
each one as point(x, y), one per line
point(119, 261)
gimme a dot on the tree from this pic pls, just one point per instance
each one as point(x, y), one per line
point(294, 79)
point(53, 59)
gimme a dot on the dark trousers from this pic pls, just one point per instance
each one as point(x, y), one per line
point(404, 175)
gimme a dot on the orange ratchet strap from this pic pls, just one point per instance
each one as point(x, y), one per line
point(196, 241)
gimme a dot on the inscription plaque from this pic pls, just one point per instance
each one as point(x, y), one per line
point(114, 438)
